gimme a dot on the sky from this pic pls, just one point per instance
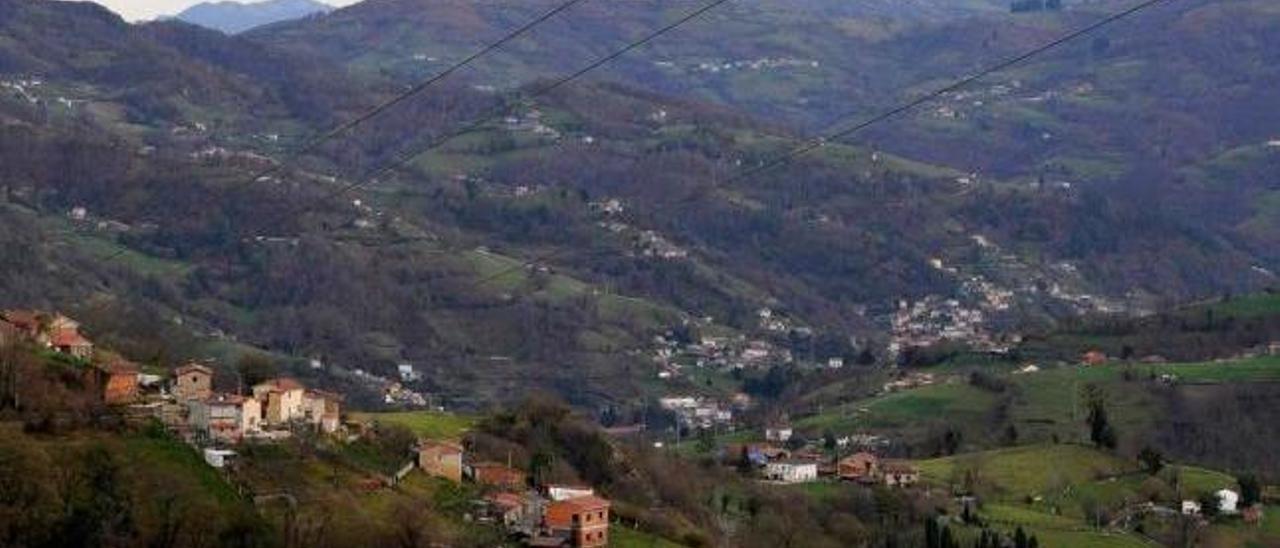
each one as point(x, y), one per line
point(141, 10)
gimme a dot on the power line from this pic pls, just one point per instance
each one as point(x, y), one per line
point(496, 113)
point(818, 142)
point(313, 144)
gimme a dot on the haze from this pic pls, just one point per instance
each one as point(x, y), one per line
point(142, 10)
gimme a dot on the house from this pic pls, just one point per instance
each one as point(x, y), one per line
point(1094, 358)
point(1190, 508)
point(757, 454)
point(224, 418)
point(899, 473)
point(71, 343)
point(192, 382)
point(791, 471)
point(51, 331)
point(219, 458)
point(778, 434)
point(835, 363)
point(566, 492)
point(496, 475)
point(1228, 501)
point(281, 399)
point(322, 409)
point(441, 459)
point(586, 519)
point(1274, 348)
point(116, 379)
point(860, 467)
point(506, 507)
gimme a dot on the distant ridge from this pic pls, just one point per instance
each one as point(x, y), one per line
point(234, 17)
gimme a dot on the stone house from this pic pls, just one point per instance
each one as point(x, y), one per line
point(192, 382)
point(442, 459)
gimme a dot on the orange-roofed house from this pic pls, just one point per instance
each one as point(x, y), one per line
point(1094, 358)
point(117, 380)
point(282, 400)
point(586, 519)
point(508, 507)
point(192, 382)
point(441, 459)
point(71, 343)
point(860, 467)
point(496, 475)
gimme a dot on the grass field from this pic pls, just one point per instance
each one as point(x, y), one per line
point(1030, 470)
point(425, 424)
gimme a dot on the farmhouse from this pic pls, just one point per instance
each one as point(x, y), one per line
point(192, 382)
point(441, 459)
point(1094, 358)
point(224, 418)
point(899, 473)
point(860, 467)
point(508, 508)
point(497, 475)
point(50, 330)
point(791, 471)
point(585, 519)
point(322, 409)
point(282, 400)
point(117, 379)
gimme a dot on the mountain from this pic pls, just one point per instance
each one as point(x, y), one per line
point(550, 247)
point(235, 17)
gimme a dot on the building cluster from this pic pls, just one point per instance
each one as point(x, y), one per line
point(531, 121)
point(673, 355)
point(758, 65)
point(774, 463)
point(553, 515)
point(933, 320)
point(699, 412)
point(187, 403)
point(115, 379)
point(273, 409)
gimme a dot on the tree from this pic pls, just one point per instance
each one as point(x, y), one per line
point(1020, 539)
point(1250, 490)
point(1101, 432)
point(1152, 460)
point(255, 368)
point(1210, 505)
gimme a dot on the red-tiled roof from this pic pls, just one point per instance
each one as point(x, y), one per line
point(507, 500)
point(442, 444)
point(23, 319)
point(282, 384)
point(68, 338)
point(192, 368)
point(584, 504)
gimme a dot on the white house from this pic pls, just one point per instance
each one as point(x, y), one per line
point(835, 363)
point(219, 458)
point(779, 434)
point(1228, 500)
point(791, 471)
point(566, 492)
point(1190, 508)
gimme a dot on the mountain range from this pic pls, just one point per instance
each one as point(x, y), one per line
point(549, 247)
point(236, 17)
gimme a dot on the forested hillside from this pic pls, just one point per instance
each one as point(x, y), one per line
point(148, 164)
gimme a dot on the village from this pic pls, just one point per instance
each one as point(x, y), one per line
point(216, 423)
